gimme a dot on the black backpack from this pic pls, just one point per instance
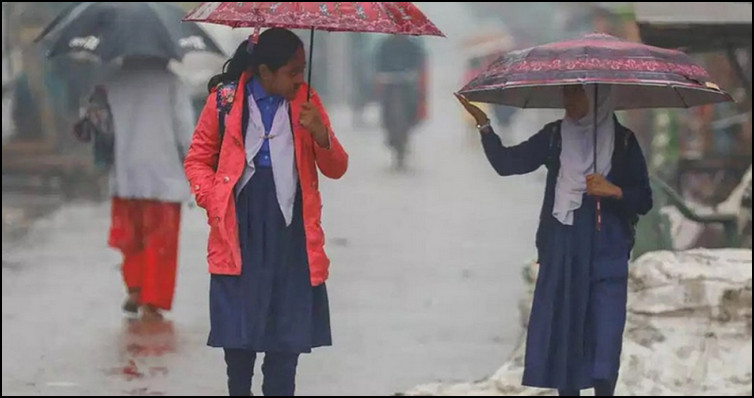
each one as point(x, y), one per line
point(97, 125)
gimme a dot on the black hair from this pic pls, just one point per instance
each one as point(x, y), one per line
point(275, 48)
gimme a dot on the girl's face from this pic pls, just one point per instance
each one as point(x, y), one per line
point(286, 81)
point(575, 101)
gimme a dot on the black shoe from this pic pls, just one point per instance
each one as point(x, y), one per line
point(131, 307)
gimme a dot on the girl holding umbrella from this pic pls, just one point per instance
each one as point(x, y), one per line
point(575, 330)
point(597, 187)
point(253, 165)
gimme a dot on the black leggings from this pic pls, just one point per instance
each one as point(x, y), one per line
point(279, 372)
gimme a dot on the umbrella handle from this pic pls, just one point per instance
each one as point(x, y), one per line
point(599, 214)
point(255, 37)
point(309, 79)
point(594, 129)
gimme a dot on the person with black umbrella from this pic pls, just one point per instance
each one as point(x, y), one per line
point(261, 143)
point(141, 120)
point(152, 121)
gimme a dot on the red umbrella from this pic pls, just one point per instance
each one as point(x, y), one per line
point(376, 17)
point(394, 17)
point(641, 76)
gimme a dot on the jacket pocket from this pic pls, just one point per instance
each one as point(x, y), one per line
point(215, 242)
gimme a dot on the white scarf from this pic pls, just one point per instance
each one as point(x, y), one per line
point(282, 155)
point(577, 152)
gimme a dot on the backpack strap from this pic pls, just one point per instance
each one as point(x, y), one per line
point(225, 93)
point(622, 142)
point(620, 161)
point(556, 142)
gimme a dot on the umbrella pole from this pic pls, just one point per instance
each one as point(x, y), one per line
point(594, 129)
point(309, 79)
point(598, 210)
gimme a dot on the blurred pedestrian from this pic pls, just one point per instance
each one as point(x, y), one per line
point(152, 121)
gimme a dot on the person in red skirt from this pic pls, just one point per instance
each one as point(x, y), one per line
point(152, 123)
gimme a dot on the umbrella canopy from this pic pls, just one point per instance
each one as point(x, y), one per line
point(642, 76)
point(111, 30)
point(377, 17)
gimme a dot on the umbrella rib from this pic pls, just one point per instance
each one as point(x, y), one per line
point(57, 21)
point(685, 105)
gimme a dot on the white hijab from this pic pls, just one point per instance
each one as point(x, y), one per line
point(577, 152)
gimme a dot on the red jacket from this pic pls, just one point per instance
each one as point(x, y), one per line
point(214, 171)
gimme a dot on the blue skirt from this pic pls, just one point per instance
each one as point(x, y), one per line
point(271, 306)
point(578, 314)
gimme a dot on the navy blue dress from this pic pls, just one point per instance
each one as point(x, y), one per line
point(578, 314)
point(271, 306)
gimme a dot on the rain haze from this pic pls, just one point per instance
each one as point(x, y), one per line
point(427, 243)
